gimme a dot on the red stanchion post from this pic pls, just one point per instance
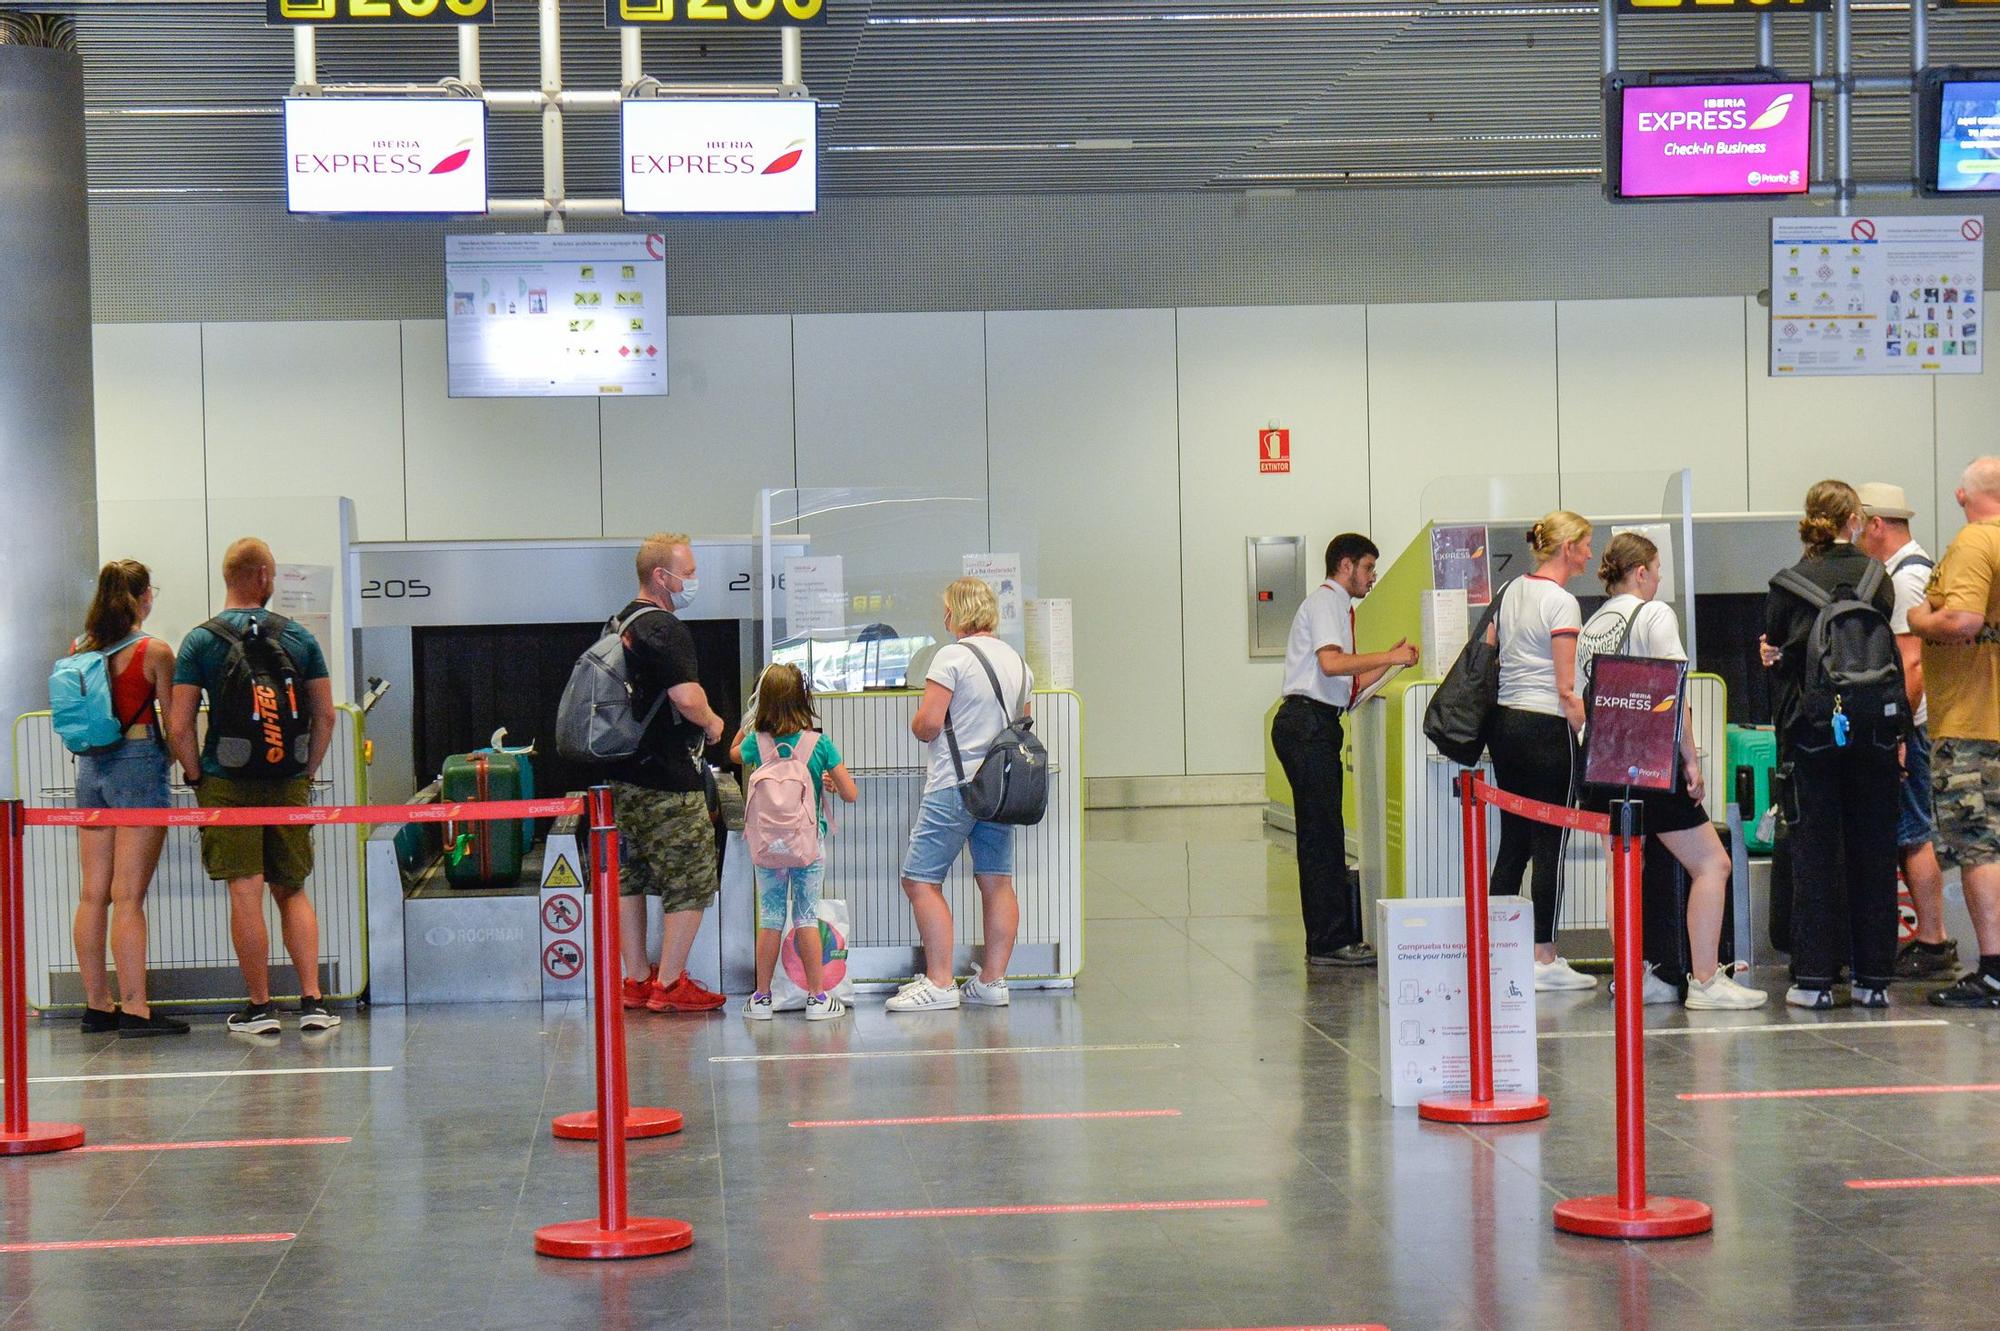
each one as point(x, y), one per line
point(20, 1137)
point(1630, 1213)
point(645, 1121)
point(614, 1233)
point(1481, 1103)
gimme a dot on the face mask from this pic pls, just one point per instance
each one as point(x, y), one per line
point(684, 598)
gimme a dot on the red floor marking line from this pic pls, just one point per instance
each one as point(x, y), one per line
point(982, 1118)
point(1824, 1092)
point(1060, 1208)
point(1315, 1326)
point(164, 1241)
point(1961, 1181)
point(215, 1145)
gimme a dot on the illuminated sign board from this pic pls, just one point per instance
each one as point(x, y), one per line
point(582, 315)
point(713, 13)
point(720, 156)
point(377, 12)
point(1959, 115)
point(1724, 6)
point(1707, 140)
point(385, 155)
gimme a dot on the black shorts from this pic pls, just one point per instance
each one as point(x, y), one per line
point(1665, 810)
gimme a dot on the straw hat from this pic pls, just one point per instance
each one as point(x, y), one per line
point(1880, 500)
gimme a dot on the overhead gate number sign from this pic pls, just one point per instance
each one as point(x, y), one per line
point(1877, 295)
point(377, 12)
point(1724, 6)
point(713, 13)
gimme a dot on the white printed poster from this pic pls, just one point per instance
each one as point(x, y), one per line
point(1051, 643)
point(304, 595)
point(1003, 574)
point(815, 595)
point(1877, 295)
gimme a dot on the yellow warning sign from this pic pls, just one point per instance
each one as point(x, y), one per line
point(562, 875)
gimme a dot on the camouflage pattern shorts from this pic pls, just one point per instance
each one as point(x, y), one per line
point(666, 846)
point(1965, 780)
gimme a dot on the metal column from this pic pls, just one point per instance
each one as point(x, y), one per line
point(48, 456)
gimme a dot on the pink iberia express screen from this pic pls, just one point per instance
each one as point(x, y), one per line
point(1704, 139)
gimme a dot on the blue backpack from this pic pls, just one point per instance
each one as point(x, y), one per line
point(80, 700)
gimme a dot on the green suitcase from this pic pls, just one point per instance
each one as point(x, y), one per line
point(1753, 756)
point(485, 853)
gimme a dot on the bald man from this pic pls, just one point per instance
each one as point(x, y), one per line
point(1960, 625)
point(268, 773)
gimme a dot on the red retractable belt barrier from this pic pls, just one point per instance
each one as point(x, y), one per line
point(1481, 1103)
point(19, 1136)
point(1630, 1213)
point(313, 815)
point(613, 1233)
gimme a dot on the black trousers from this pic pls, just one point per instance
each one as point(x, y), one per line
point(1844, 866)
point(1307, 737)
point(1533, 755)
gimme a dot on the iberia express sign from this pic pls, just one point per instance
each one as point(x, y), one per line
point(713, 13)
point(735, 155)
point(375, 12)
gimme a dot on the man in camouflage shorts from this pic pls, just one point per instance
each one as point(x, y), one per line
point(1960, 625)
point(659, 795)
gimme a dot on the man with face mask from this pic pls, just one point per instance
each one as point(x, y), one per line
point(1322, 674)
point(668, 843)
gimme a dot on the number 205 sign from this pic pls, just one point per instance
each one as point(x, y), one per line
point(698, 13)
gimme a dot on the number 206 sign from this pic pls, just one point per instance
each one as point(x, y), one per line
point(712, 13)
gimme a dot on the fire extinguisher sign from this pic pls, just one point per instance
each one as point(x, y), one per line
point(1274, 450)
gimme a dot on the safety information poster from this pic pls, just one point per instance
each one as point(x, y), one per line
point(1877, 295)
point(556, 315)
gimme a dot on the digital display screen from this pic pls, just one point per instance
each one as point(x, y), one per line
point(1968, 138)
point(372, 155)
point(578, 315)
point(1710, 140)
point(722, 155)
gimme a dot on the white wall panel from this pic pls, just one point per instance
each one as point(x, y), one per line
point(892, 399)
point(1303, 367)
point(149, 411)
point(297, 409)
point(170, 537)
point(1456, 391)
point(494, 468)
point(1083, 439)
point(1651, 386)
point(1968, 426)
point(1865, 428)
point(695, 459)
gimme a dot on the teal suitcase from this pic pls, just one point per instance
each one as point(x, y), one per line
point(486, 853)
point(1753, 756)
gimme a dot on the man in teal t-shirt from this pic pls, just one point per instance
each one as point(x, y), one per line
point(250, 859)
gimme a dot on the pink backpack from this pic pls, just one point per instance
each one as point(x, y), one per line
point(781, 805)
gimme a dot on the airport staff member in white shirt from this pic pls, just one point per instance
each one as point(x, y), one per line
point(1322, 674)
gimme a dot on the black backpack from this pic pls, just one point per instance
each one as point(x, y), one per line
point(256, 708)
point(1852, 688)
point(1012, 783)
point(1460, 715)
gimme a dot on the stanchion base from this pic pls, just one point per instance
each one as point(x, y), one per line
point(41, 1139)
point(1504, 1107)
point(639, 1122)
point(585, 1240)
point(1659, 1218)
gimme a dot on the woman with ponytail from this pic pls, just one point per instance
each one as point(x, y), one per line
point(118, 863)
point(1841, 798)
point(1533, 742)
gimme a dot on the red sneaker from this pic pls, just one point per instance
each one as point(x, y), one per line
point(636, 992)
point(684, 995)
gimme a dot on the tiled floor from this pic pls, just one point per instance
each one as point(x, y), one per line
point(1193, 1000)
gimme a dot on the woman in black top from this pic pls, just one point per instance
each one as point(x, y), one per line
point(1841, 797)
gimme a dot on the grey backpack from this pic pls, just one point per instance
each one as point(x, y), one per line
point(597, 720)
point(1012, 783)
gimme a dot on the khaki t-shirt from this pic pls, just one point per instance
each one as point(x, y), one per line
point(1963, 680)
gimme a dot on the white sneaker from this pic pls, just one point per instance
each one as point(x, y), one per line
point(824, 1008)
point(1721, 992)
point(920, 995)
point(1653, 992)
point(1559, 974)
point(981, 994)
point(757, 1007)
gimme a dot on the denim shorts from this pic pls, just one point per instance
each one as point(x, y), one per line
point(1916, 823)
point(131, 776)
point(943, 827)
point(793, 892)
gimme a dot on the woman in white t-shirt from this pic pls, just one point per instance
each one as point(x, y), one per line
point(1533, 739)
point(967, 706)
point(1632, 623)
